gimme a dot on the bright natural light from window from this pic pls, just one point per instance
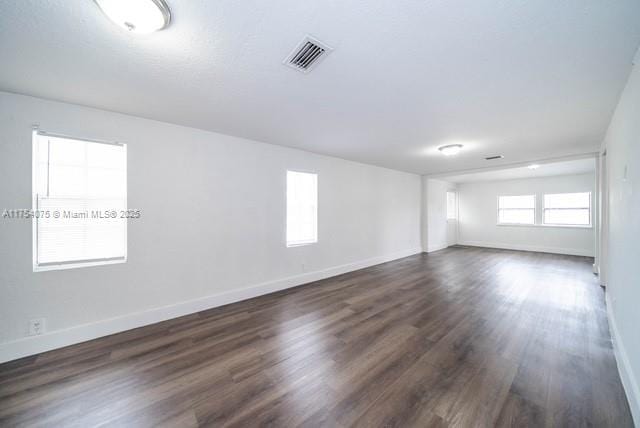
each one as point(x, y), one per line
point(517, 209)
point(571, 209)
point(79, 196)
point(302, 208)
point(452, 209)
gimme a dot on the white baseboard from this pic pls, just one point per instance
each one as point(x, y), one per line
point(536, 248)
point(57, 339)
point(437, 247)
point(629, 380)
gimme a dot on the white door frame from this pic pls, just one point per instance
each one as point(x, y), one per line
point(603, 218)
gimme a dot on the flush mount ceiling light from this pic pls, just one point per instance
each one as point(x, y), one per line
point(451, 149)
point(534, 166)
point(137, 16)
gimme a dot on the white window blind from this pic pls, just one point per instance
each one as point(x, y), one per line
point(302, 208)
point(517, 209)
point(452, 209)
point(79, 199)
point(573, 209)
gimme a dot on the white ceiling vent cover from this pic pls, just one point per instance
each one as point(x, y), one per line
point(309, 52)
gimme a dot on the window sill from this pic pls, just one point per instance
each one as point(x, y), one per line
point(569, 226)
point(65, 266)
point(553, 226)
point(301, 244)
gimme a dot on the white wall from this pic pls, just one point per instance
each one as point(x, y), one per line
point(477, 223)
point(622, 145)
point(435, 228)
point(212, 228)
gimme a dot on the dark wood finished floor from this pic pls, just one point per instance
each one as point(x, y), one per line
point(461, 337)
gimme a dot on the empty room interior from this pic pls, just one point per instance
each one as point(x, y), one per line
point(370, 213)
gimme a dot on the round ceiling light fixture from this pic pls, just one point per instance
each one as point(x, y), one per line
point(137, 16)
point(451, 149)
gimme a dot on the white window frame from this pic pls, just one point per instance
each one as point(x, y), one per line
point(499, 223)
point(585, 226)
point(310, 241)
point(455, 203)
point(72, 264)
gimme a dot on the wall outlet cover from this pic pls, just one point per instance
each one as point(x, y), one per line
point(37, 326)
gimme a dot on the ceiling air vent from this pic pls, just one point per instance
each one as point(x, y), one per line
point(307, 54)
point(494, 157)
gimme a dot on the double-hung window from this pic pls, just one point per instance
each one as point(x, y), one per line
point(567, 209)
point(302, 208)
point(80, 202)
point(519, 209)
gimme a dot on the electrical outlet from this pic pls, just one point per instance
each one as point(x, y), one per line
point(37, 326)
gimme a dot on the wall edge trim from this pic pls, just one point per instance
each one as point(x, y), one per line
point(534, 248)
point(32, 345)
point(629, 380)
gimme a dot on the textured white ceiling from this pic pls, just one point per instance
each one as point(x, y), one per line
point(526, 79)
point(575, 166)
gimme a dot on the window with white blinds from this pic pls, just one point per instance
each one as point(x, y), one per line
point(80, 202)
point(567, 209)
point(302, 208)
point(519, 209)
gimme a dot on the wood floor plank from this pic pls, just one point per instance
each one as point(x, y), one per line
point(459, 337)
